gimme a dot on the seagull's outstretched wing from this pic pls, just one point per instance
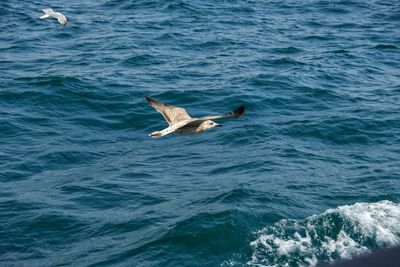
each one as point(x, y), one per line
point(57, 15)
point(49, 13)
point(234, 114)
point(170, 113)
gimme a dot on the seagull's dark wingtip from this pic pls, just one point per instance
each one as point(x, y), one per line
point(239, 111)
point(149, 99)
point(236, 113)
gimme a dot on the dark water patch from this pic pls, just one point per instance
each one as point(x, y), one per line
point(340, 51)
point(221, 43)
point(204, 235)
point(316, 38)
point(12, 176)
point(267, 79)
point(115, 123)
point(142, 60)
point(22, 96)
point(117, 228)
point(341, 131)
point(20, 168)
point(136, 175)
point(287, 50)
point(134, 5)
point(346, 25)
point(14, 205)
point(169, 36)
point(385, 46)
point(53, 81)
point(372, 177)
point(306, 186)
point(184, 7)
point(243, 134)
point(250, 196)
point(53, 222)
point(10, 130)
point(286, 61)
point(107, 198)
point(237, 169)
point(62, 159)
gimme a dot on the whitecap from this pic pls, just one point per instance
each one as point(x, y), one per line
point(339, 233)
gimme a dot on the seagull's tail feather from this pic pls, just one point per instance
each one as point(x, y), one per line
point(45, 16)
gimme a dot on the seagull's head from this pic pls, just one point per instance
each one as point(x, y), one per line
point(63, 21)
point(208, 124)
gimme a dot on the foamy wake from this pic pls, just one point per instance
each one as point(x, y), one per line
point(335, 234)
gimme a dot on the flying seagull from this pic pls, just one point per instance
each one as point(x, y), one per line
point(57, 15)
point(181, 123)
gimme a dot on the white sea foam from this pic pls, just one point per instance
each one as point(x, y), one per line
point(337, 233)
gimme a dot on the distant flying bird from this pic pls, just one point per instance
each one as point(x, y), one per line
point(181, 123)
point(57, 15)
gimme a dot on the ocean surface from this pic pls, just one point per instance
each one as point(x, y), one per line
point(309, 174)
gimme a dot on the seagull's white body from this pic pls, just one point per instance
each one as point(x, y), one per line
point(181, 123)
point(50, 13)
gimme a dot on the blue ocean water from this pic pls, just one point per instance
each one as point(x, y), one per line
point(309, 174)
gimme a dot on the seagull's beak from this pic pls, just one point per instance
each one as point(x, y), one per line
point(218, 125)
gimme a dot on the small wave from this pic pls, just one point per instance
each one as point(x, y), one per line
point(281, 62)
point(131, 5)
point(286, 50)
point(385, 46)
point(342, 131)
point(142, 60)
point(335, 234)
